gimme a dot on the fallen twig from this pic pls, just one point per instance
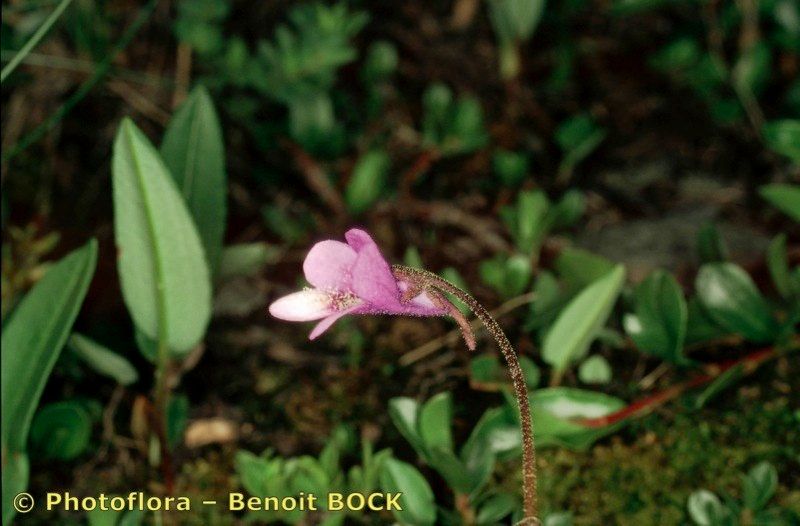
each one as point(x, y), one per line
point(316, 178)
point(641, 407)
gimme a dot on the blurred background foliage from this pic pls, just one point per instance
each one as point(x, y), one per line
point(617, 180)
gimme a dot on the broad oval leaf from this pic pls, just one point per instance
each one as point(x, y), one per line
point(496, 433)
point(555, 410)
point(458, 476)
point(783, 136)
point(368, 181)
point(759, 486)
point(34, 336)
point(659, 324)
point(194, 152)
point(419, 508)
point(705, 508)
point(494, 508)
point(435, 419)
point(103, 360)
point(784, 197)
point(580, 268)
point(595, 370)
point(577, 325)
point(244, 259)
point(732, 300)
point(404, 412)
point(162, 267)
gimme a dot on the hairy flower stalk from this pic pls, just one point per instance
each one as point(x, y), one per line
point(425, 280)
point(354, 278)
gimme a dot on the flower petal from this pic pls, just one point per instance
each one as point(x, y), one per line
point(373, 281)
point(328, 265)
point(326, 323)
point(358, 239)
point(306, 305)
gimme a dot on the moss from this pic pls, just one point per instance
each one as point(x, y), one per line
point(645, 474)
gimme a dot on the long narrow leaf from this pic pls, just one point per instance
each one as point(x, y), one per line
point(162, 267)
point(32, 340)
point(194, 152)
point(577, 325)
point(34, 336)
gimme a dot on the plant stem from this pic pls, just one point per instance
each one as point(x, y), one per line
point(31, 43)
point(429, 279)
point(648, 404)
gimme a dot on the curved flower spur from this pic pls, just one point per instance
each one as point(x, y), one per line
point(355, 278)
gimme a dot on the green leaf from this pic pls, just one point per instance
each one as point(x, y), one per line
point(331, 454)
point(404, 413)
point(706, 509)
point(419, 508)
point(527, 221)
point(515, 20)
point(61, 431)
point(497, 432)
point(29, 355)
point(555, 409)
point(456, 474)
point(710, 246)
point(380, 63)
point(244, 259)
point(260, 475)
point(784, 197)
point(580, 267)
point(578, 137)
point(103, 360)
point(449, 126)
point(16, 471)
point(109, 517)
point(720, 383)
point(778, 264)
point(659, 324)
point(732, 300)
point(435, 420)
point(700, 327)
point(783, 137)
point(101, 517)
point(163, 271)
point(488, 374)
point(510, 167)
point(567, 210)
point(132, 518)
point(759, 486)
point(452, 275)
point(752, 70)
point(497, 506)
point(194, 152)
point(559, 518)
point(177, 418)
point(547, 303)
point(369, 179)
point(509, 276)
point(576, 326)
point(595, 370)
point(412, 257)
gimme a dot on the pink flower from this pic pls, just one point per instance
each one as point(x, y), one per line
point(354, 278)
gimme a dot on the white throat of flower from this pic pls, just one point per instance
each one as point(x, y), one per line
point(340, 300)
